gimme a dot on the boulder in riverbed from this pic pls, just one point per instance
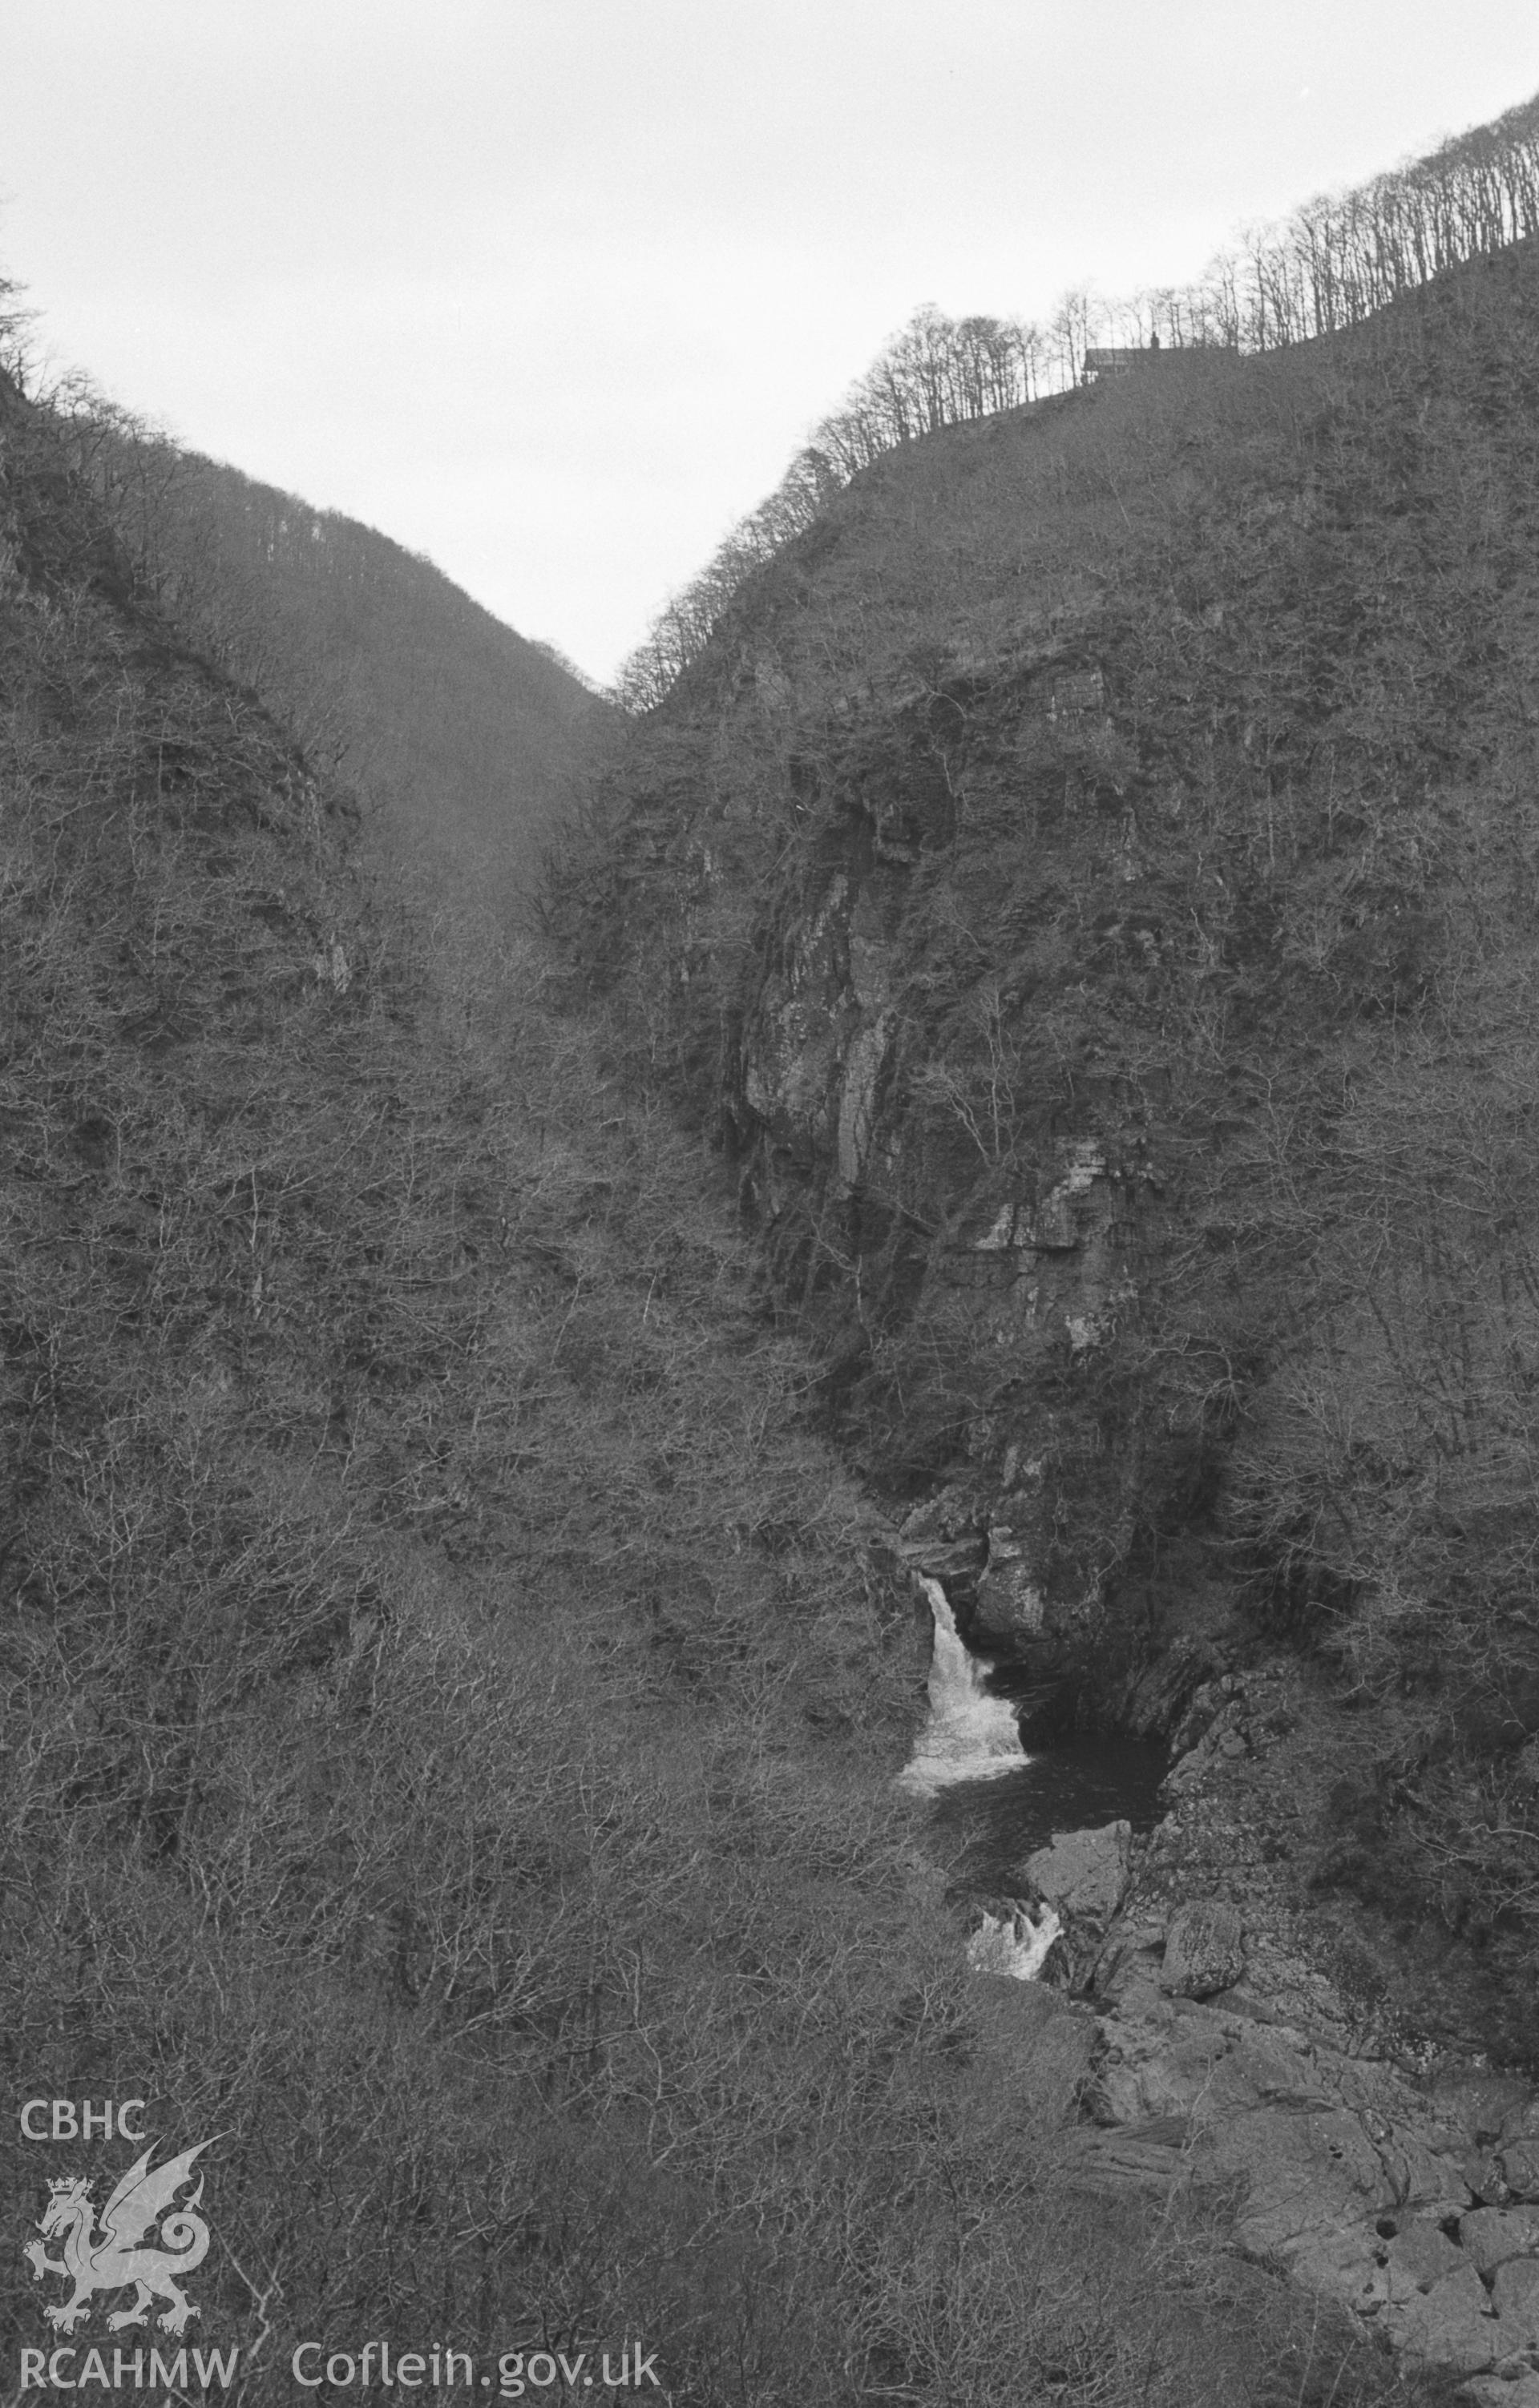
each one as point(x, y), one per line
point(1424, 2254)
point(1517, 2301)
point(1204, 1950)
point(1520, 2168)
point(1084, 1873)
point(1493, 2234)
point(1452, 2325)
point(1494, 2391)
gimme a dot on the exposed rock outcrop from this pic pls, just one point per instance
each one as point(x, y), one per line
point(1213, 2072)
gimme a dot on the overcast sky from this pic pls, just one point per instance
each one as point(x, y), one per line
point(552, 289)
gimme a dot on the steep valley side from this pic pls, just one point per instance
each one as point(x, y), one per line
point(1088, 891)
point(459, 1673)
point(456, 1690)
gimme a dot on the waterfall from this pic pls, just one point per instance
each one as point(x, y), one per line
point(970, 1736)
point(1013, 1945)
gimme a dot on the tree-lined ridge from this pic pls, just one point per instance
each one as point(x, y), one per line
point(1332, 263)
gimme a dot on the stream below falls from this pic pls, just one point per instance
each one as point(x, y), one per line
point(993, 1804)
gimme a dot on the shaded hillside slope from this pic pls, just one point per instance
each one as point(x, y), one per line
point(452, 1697)
point(465, 736)
point(1088, 887)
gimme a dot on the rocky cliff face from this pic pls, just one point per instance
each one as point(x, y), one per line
point(1089, 892)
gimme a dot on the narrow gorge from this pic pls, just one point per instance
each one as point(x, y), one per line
point(771, 1590)
point(1084, 891)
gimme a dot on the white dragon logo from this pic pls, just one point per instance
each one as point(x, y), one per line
point(113, 2259)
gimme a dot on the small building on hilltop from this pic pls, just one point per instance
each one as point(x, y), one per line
point(1118, 359)
point(1107, 360)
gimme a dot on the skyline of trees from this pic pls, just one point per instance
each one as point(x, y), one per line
point(1334, 261)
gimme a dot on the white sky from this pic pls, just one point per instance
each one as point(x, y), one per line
point(552, 289)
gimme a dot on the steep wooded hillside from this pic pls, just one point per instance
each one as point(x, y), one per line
point(464, 737)
point(452, 1691)
point(1088, 888)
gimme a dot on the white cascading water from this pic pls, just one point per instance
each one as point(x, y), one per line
point(1013, 1945)
point(970, 1736)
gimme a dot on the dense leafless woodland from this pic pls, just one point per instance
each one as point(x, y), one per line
point(1331, 264)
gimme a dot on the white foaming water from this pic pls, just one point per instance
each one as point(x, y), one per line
point(1013, 1945)
point(970, 1736)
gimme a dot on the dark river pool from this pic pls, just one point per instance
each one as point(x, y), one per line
point(985, 1828)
